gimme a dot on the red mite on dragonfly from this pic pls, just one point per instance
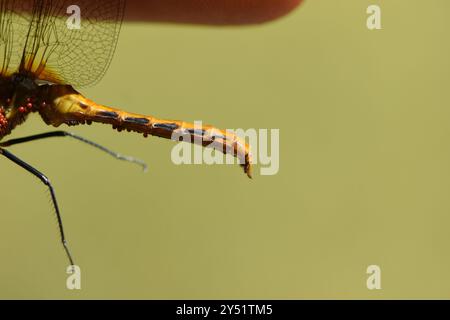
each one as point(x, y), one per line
point(42, 57)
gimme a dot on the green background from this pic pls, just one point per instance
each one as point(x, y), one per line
point(364, 169)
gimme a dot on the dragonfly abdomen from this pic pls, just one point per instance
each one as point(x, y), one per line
point(63, 104)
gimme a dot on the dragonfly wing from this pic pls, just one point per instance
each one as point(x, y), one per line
point(14, 26)
point(65, 41)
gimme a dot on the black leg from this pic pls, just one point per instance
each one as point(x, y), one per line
point(74, 136)
point(45, 180)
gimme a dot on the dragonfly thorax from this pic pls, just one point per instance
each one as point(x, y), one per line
point(18, 97)
point(23, 82)
point(17, 89)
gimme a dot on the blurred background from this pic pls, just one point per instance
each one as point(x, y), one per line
point(364, 166)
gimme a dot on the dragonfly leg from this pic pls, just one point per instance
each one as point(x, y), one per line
point(54, 134)
point(46, 181)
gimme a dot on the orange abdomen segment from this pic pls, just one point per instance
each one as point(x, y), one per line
point(217, 12)
point(63, 104)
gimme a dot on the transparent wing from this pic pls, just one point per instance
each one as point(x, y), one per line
point(63, 41)
point(14, 26)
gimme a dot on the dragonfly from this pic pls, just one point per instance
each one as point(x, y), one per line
point(49, 49)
